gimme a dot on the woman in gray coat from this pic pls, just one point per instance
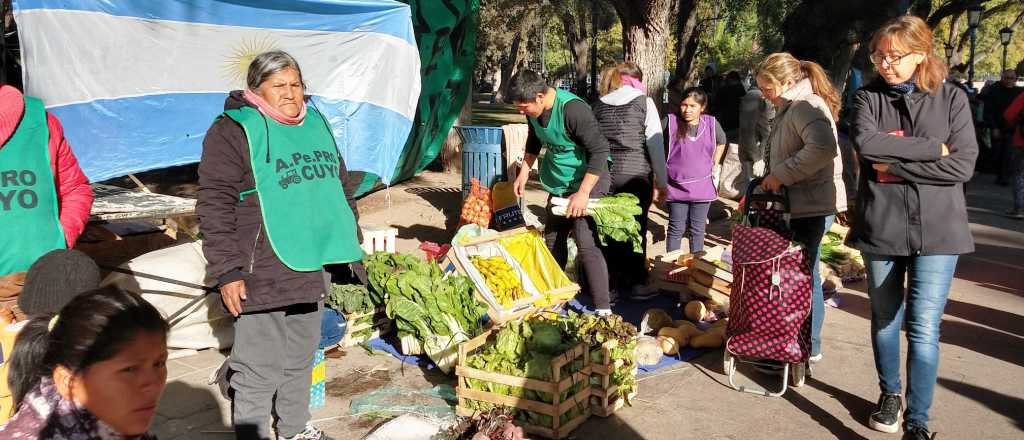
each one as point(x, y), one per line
point(804, 157)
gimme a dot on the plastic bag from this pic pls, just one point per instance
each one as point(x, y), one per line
point(476, 209)
point(434, 404)
point(529, 250)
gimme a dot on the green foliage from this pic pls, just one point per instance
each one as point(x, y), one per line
point(421, 300)
point(615, 219)
point(352, 298)
point(595, 331)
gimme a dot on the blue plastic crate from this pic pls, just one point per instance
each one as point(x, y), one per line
point(482, 156)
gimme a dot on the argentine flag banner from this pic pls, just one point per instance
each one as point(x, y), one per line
point(136, 83)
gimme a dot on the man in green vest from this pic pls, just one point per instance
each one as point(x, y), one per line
point(574, 166)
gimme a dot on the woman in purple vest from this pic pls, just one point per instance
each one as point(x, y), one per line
point(696, 143)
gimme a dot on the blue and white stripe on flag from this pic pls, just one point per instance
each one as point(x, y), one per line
point(136, 84)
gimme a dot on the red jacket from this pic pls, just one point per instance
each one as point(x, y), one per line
point(1015, 117)
point(74, 195)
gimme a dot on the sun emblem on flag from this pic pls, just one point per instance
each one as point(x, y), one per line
point(236, 64)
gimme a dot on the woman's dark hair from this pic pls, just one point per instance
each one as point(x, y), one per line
point(92, 328)
point(525, 86)
point(698, 94)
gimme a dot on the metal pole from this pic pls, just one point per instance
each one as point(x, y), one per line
point(1004, 59)
point(970, 71)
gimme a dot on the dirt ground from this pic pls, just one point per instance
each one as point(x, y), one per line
point(978, 394)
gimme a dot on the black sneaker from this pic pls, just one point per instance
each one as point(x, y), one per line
point(917, 432)
point(886, 417)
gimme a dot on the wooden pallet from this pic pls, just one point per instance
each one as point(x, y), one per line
point(605, 399)
point(555, 387)
point(381, 325)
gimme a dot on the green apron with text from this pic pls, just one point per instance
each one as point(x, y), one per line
point(29, 211)
point(564, 164)
point(305, 212)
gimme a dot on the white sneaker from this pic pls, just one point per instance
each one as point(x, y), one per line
point(815, 359)
point(310, 433)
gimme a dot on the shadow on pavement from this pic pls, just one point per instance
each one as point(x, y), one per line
point(986, 316)
point(611, 427)
point(1007, 406)
point(997, 344)
point(447, 200)
point(182, 405)
point(858, 407)
point(822, 416)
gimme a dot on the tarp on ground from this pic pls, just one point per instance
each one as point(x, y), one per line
point(446, 32)
point(136, 84)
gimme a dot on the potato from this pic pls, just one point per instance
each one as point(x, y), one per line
point(695, 310)
point(668, 345)
point(654, 320)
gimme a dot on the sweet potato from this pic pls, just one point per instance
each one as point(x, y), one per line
point(713, 338)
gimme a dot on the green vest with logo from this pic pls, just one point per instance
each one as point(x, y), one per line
point(29, 211)
point(305, 213)
point(564, 164)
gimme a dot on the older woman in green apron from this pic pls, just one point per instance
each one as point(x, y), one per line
point(273, 212)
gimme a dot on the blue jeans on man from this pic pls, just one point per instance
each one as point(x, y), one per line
point(927, 288)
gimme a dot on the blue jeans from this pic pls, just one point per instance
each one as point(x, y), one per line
point(683, 216)
point(809, 231)
point(928, 283)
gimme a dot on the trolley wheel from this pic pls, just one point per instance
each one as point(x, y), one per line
point(728, 363)
point(798, 374)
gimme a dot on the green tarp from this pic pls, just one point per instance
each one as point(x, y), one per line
point(446, 35)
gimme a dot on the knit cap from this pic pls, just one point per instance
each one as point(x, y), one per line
point(54, 279)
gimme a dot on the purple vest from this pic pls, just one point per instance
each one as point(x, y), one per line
point(690, 161)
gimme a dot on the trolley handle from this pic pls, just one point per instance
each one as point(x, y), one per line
point(781, 197)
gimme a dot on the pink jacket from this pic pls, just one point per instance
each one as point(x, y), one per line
point(73, 191)
point(1015, 117)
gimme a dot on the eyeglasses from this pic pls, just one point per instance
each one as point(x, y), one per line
point(877, 59)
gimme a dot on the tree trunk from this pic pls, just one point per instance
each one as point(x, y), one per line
point(830, 31)
point(687, 38)
point(573, 17)
point(645, 30)
point(517, 55)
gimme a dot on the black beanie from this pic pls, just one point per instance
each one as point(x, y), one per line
point(54, 279)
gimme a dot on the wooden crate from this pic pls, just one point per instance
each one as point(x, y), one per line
point(670, 271)
point(605, 398)
point(381, 325)
point(519, 309)
point(555, 387)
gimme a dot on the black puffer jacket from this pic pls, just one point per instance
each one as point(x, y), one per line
point(926, 214)
point(234, 239)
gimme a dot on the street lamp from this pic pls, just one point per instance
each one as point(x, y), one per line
point(1004, 37)
point(973, 18)
point(949, 53)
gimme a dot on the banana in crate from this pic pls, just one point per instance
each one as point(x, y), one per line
point(503, 281)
